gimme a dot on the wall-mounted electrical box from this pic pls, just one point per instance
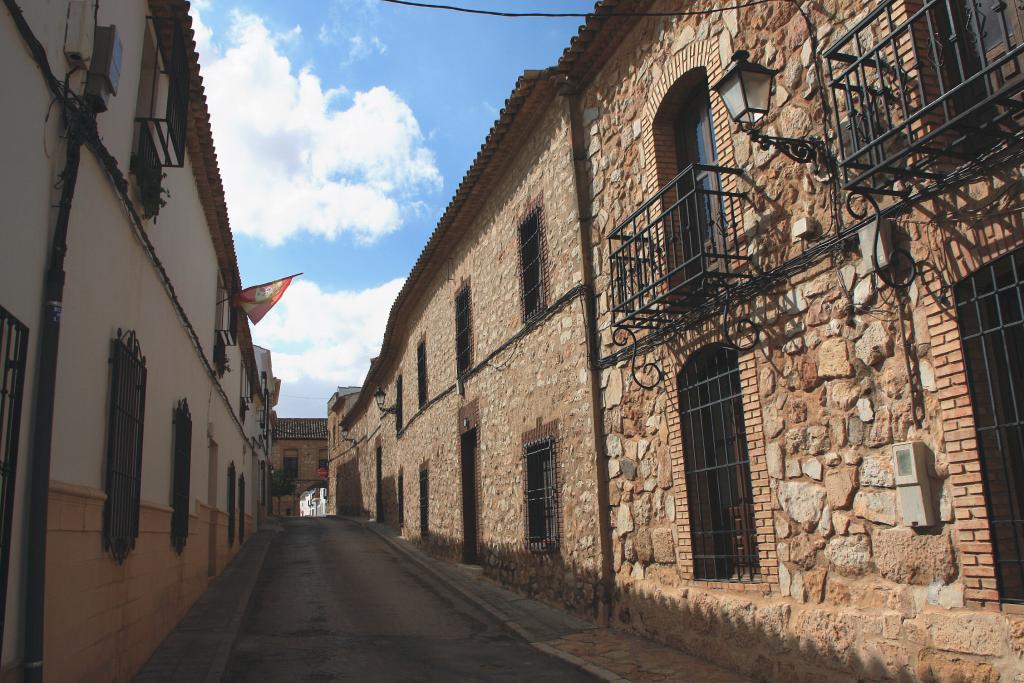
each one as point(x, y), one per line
point(911, 463)
point(104, 68)
point(875, 243)
point(78, 34)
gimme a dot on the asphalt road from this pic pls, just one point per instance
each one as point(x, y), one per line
point(334, 602)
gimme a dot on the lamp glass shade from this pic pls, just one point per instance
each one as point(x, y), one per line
point(746, 90)
point(344, 433)
point(378, 396)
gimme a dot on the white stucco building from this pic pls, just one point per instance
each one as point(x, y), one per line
point(162, 405)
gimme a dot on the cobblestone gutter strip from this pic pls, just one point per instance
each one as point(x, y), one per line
point(200, 645)
point(500, 615)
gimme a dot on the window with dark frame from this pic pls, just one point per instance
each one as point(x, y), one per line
point(182, 475)
point(398, 404)
point(291, 463)
point(125, 422)
point(421, 373)
point(990, 314)
point(531, 265)
point(424, 502)
point(718, 485)
point(13, 355)
point(541, 496)
point(231, 504)
point(463, 331)
point(241, 508)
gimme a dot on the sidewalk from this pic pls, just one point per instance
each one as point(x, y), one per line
point(607, 654)
point(199, 646)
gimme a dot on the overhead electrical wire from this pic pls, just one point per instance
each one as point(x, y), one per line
point(571, 15)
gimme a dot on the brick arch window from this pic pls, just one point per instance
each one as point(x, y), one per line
point(683, 126)
point(686, 159)
point(718, 486)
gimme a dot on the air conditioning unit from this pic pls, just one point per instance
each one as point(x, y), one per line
point(104, 68)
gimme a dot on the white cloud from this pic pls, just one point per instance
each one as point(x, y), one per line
point(296, 156)
point(326, 336)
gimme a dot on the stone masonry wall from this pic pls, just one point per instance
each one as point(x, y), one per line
point(844, 590)
point(541, 379)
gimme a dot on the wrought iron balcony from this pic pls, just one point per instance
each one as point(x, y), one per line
point(677, 249)
point(927, 92)
point(166, 85)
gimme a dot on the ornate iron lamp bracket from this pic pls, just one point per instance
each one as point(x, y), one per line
point(810, 150)
point(623, 336)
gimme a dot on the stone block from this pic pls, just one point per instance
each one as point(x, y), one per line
point(839, 486)
point(802, 501)
point(774, 460)
point(812, 468)
point(934, 666)
point(834, 359)
point(624, 519)
point(628, 468)
point(877, 471)
point(613, 446)
point(849, 555)
point(875, 345)
point(644, 546)
point(664, 546)
point(905, 556)
point(865, 410)
point(976, 634)
point(876, 506)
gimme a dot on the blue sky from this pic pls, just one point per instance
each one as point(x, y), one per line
point(343, 128)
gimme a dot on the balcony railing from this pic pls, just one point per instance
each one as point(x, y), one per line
point(166, 125)
point(926, 91)
point(677, 249)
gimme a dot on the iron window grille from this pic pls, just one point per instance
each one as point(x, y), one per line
point(126, 419)
point(424, 502)
point(681, 246)
point(989, 312)
point(241, 508)
point(718, 486)
point(231, 504)
point(463, 332)
point(531, 265)
point(182, 475)
point(245, 393)
point(421, 373)
point(164, 96)
point(398, 405)
point(13, 355)
point(926, 91)
point(226, 314)
point(541, 496)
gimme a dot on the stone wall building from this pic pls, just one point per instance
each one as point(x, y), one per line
point(338, 441)
point(300, 451)
point(730, 342)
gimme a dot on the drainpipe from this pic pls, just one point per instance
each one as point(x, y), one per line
point(586, 220)
point(42, 434)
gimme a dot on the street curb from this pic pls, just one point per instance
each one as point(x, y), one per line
point(216, 671)
point(506, 621)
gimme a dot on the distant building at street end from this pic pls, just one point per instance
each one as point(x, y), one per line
point(300, 452)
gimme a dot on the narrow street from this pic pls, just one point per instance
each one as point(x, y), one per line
point(334, 602)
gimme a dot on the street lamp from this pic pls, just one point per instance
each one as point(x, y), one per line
point(345, 436)
point(746, 88)
point(378, 396)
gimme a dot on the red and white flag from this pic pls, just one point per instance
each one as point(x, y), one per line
point(258, 300)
